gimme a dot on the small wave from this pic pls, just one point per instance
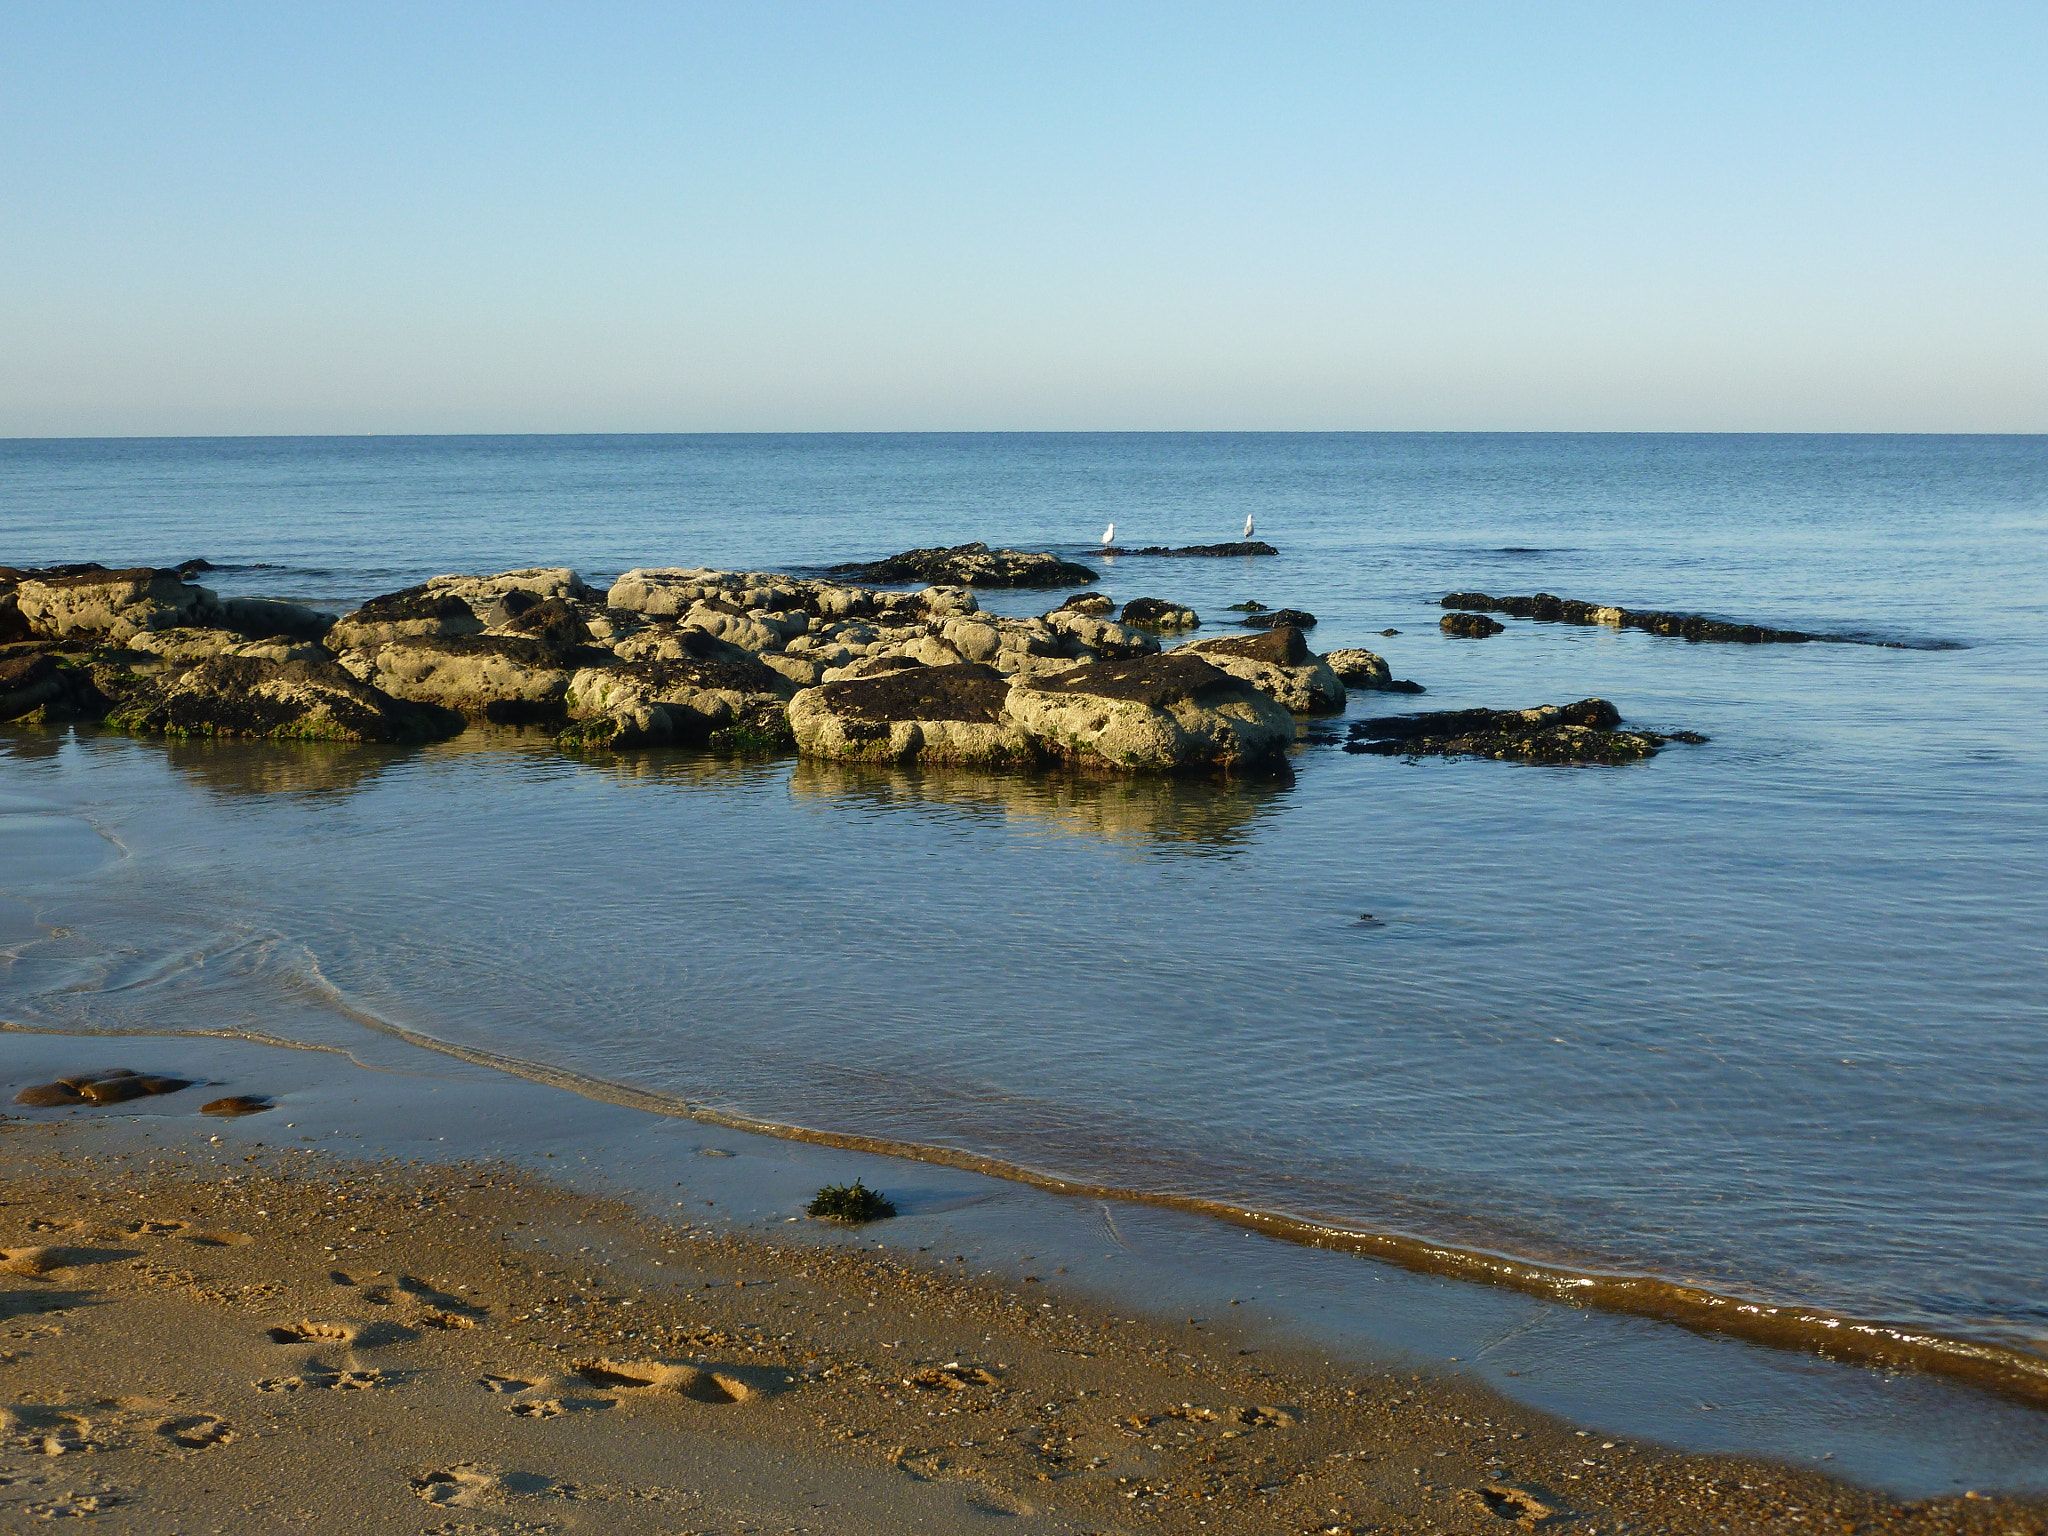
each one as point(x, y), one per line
point(2007, 1370)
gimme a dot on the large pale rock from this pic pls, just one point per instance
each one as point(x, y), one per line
point(480, 592)
point(1151, 714)
point(411, 614)
point(1279, 664)
point(243, 696)
point(116, 604)
point(933, 714)
point(686, 700)
point(1365, 669)
point(674, 591)
point(505, 679)
point(1096, 639)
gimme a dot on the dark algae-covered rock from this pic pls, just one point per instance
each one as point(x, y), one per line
point(1469, 626)
point(971, 565)
point(1158, 613)
point(116, 1085)
point(283, 700)
point(1200, 551)
point(1585, 732)
point(1681, 626)
point(1273, 619)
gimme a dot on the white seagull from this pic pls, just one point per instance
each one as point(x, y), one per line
point(1247, 525)
point(1109, 536)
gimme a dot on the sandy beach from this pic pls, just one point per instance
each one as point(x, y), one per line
point(276, 1323)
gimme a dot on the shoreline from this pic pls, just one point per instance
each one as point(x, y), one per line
point(1905, 1432)
point(2008, 1371)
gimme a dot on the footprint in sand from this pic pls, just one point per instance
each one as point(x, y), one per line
point(215, 1239)
point(196, 1431)
point(469, 1485)
point(1513, 1503)
point(544, 1408)
point(323, 1379)
point(46, 1431)
point(443, 1320)
point(666, 1378)
point(304, 1332)
point(504, 1384)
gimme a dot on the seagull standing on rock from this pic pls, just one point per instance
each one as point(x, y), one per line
point(1247, 525)
point(1109, 536)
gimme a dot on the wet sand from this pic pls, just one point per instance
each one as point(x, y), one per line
point(275, 1323)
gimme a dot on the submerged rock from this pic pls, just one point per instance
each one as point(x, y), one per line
point(298, 700)
point(1279, 664)
point(971, 565)
point(1585, 732)
point(1469, 626)
point(114, 1085)
point(1157, 613)
point(236, 1104)
point(1684, 626)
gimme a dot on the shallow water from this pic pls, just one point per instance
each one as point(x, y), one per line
point(1764, 1015)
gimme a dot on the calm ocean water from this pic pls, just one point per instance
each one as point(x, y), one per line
point(1765, 1015)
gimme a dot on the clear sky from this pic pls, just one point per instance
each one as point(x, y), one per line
point(759, 216)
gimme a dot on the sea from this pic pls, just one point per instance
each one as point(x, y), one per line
point(1763, 1016)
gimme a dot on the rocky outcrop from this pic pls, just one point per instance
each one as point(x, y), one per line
point(1259, 618)
point(1279, 664)
point(1469, 626)
point(1585, 732)
point(1151, 714)
point(1201, 551)
point(971, 565)
point(1367, 670)
point(110, 604)
point(1683, 626)
point(263, 618)
point(950, 714)
point(244, 696)
point(1156, 613)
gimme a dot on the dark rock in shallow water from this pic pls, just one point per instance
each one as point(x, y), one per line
point(236, 1104)
point(1469, 626)
point(971, 565)
point(1584, 732)
point(1157, 613)
point(283, 700)
point(1200, 551)
point(1251, 607)
point(42, 686)
point(1279, 616)
point(1094, 604)
point(113, 1086)
point(1684, 626)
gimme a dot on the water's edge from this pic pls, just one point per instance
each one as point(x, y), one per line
point(2012, 1373)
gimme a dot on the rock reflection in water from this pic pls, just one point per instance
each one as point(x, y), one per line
point(1195, 816)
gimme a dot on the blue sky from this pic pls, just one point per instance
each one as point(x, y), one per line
point(434, 218)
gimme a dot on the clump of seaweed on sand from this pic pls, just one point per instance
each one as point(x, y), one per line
point(851, 1203)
